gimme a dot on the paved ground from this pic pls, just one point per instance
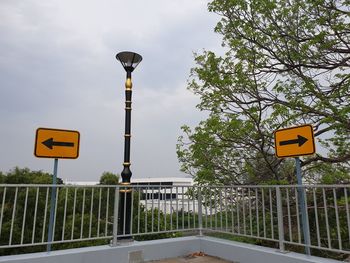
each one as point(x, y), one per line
point(193, 258)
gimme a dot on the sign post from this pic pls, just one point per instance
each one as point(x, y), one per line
point(53, 205)
point(304, 217)
point(57, 144)
point(295, 142)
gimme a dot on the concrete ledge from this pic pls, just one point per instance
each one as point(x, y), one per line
point(247, 253)
point(166, 248)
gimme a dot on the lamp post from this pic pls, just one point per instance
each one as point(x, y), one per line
point(129, 61)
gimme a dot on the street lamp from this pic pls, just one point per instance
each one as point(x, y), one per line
point(129, 61)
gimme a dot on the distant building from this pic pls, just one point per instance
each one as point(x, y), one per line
point(166, 193)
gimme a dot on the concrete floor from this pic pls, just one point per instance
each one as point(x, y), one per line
point(193, 258)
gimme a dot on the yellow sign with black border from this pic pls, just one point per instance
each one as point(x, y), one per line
point(295, 141)
point(56, 143)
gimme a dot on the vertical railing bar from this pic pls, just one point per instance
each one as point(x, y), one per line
point(271, 215)
point(124, 211)
point(263, 211)
point(289, 218)
point(152, 210)
point(115, 215)
point(55, 216)
point(24, 215)
point(215, 209)
point(73, 219)
point(337, 219)
point(316, 217)
point(237, 209)
point(159, 196)
point(232, 217)
point(107, 208)
point(188, 211)
point(200, 216)
point(13, 215)
point(91, 209)
point(132, 210)
point(211, 209)
point(280, 219)
point(2, 208)
point(171, 208)
point(164, 197)
point(307, 230)
point(194, 208)
point(250, 213)
point(183, 208)
point(298, 215)
point(257, 212)
point(220, 200)
point(347, 209)
point(138, 210)
point(225, 196)
point(35, 213)
point(64, 214)
point(206, 207)
point(177, 208)
point(326, 217)
point(45, 212)
point(146, 208)
point(243, 211)
point(82, 214)
point(99, 213)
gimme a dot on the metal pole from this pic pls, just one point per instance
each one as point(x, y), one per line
point(301, 193)
point(52, 207)
point(125, 205)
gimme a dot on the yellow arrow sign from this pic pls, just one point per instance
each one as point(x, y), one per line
point(294, 141)
point(56, 143)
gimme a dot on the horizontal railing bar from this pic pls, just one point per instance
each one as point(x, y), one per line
point(174, 186)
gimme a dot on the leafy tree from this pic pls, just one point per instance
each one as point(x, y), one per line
point(26, 176)
point(109, 178)
point(286, 63)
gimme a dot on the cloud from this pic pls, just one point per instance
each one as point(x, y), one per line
point(58, 69)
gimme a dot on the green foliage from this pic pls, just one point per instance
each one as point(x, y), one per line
point(286, 63)
point(26, 176)
point(109, 178)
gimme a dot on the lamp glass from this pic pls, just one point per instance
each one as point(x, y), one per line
point(129, 60)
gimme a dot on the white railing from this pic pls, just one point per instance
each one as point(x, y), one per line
point(83, 213)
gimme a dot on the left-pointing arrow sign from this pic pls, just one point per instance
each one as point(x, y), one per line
point(49, 143)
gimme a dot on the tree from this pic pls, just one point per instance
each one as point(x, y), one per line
point(108, 178)
point(286, 63)
point(26, 176)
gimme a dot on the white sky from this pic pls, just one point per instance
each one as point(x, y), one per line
point(58, 70)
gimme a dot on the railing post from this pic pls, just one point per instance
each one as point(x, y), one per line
point(280, 219)
point(200, 211)
point(115, 216)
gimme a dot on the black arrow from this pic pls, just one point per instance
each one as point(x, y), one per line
point(300, 141)
point(49, 143)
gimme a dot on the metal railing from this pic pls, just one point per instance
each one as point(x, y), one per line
point(83, 213)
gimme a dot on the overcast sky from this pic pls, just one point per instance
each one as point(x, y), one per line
point(58, 70)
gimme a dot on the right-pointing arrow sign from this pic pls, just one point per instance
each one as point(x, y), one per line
point(294, 141)
point(300, 141)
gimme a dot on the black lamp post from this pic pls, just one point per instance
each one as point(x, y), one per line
point(129, 61)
